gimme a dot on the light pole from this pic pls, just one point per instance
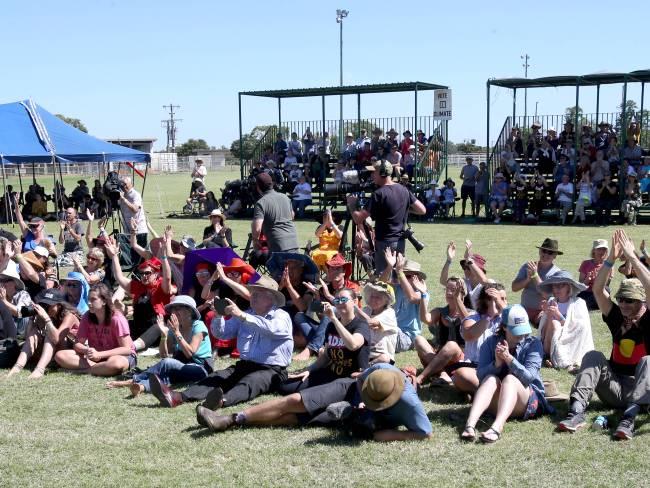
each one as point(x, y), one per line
point(525, 57)
point(536, 103)
point(340, 15)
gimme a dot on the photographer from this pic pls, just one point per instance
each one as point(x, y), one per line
point(388, 207)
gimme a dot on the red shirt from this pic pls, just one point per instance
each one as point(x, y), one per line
point(155, 292)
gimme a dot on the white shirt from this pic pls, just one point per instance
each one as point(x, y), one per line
point(134, 198)
point(563, 191)
point(302, 191)
point(199, 173)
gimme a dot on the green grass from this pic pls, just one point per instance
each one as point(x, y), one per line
point(66, 429)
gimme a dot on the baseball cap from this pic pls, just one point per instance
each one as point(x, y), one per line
point(516, 320)
point(382, 164)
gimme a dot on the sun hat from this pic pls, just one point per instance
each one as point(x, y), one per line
point(267, 283)
point(338, 260)
point(41, 251)
point(631, 289)
point(185, 301)
point(550, 245)
point(407, 132)
point(278, 260)
point(188, 242)
point(552, 392)
point(379, 287)
point(153, 263)
point(382, 388)
point(537, 123)
point(35, 221)
point(561, 277)
point(392, 131)
point(600, 244)
point(516, 320)
point(469, 158)
point(11, 273)
point(217, 213)
point(414, 267)
point(238, 264)
point(74, 276)
point(349, 134)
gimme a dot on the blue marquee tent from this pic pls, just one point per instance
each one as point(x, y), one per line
point(31, 134)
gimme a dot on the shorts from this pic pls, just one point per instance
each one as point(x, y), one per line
point(404, 342)
point(467, 192)
point(451, 368)
point(498, 200)
point(534, 407)
point(318, 398)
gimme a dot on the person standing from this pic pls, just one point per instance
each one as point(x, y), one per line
point(468, 175)
point(131, 207)
point(273, 216)
point(198, 175)
point(389, 207)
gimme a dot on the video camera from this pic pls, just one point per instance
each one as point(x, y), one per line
point(112, 188)
point(354, 181)
point(243, 190)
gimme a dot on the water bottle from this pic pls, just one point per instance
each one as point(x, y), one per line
point(600, 423)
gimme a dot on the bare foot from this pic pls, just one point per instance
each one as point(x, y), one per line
point(136, 389)
point(13, 371)
point(36, 374)
point(304, 355)
point(118, 384)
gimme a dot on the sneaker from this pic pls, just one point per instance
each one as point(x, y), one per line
point(339, 411)
point(573, 422)
point(150, 352)
point(625, 429)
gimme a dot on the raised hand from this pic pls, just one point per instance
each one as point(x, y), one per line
point(400, 261)
point(111, 247)
point(531, 268)
point(169, 233)
point(626, 244)
point(160, 322)
point(468, 248)
point(328, 310)
point(451, 251)
point(390, 256)
point(174, 324)
point(89, 215)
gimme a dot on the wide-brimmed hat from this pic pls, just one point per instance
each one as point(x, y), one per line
point(238, 264)
point(185, 301)
point(338, 260)
point(36, 220)
point(41, 251)
point(600, 244)
point(552, 392)
point(188, 242)
point(382, 388)
point(32, 258)
point(392, 131)
point(550, 245)
point(561, 277)
point(407, 132)
point(537, 123)
point(278, 260)
point(414, 267)
point(11, 273)
point(379, 287)
point(516, 320)
point(268, 284)
point(217, 213)
point(631, 289)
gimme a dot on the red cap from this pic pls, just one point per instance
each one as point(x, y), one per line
point(153, 263)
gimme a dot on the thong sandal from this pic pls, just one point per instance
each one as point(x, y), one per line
point(469, 434)
point(489, 440)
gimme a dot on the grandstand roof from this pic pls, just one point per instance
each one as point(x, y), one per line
point(346, 90)
point(566, 80)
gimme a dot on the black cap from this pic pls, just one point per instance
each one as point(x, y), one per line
point(51, 296)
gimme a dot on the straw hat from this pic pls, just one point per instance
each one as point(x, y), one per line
point(414, 267)
point(379, 287)
point(382, 388)
point(267, 283)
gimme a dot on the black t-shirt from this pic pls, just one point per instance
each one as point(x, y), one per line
point(344, 362)
point(217, 240)
point(389, 207)
point(628, 348)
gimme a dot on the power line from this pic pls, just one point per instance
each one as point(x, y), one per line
point(170, 126)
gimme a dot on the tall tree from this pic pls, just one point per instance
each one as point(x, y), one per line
point(192, 146)
point(76, 123)
point(249, 142)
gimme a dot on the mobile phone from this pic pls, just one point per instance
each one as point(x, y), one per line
point(316, 306)
point(220, 305)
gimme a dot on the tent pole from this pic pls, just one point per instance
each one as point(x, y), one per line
point(144, 182)
point(20, 180)
point(4, 185)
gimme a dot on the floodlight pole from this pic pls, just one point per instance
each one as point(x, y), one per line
point(340, 15)
point(525, 57)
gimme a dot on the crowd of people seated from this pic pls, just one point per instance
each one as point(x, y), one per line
point(565, 173)
point(189, 303)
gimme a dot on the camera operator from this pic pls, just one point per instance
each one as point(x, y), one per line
point(132, 208)
point(273, 216)
point(388, 207)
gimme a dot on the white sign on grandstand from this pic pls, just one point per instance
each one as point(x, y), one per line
point(442, 104)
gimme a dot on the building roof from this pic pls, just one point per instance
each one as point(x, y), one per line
point(130, 139)
point(573, 80)
point(346, 90)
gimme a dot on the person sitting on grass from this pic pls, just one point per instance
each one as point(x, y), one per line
point(589, 269)
point(93, 272)
point(265, 343)
point(509, 373)
point(184, 348)
point(379, 298)
point(329, 239)
point(565, 326)
point(33, 232)
point(76, 290)
point(54, 327)
point(14, 297)
point(345, 351)
point(623, 381)
point(532, 274)
point(444, 324)
point(104, 346)
point(384, 398)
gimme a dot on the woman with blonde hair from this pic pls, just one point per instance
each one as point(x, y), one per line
point(379, 298)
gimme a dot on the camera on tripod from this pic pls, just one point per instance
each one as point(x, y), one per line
point(112, 188)
point(353, 181)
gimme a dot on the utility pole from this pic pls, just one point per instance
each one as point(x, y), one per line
point(170, 126)
point(340, 15)
point(525, 57)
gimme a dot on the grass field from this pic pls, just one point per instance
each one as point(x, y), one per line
point(68, 430)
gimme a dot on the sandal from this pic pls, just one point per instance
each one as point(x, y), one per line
point(469, 434)
point(486, 436)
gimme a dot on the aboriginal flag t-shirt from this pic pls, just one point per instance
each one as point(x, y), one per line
point(344, 362)
point(628, 347)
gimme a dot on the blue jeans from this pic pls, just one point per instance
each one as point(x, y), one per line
point(171, 371)
point(299, 207)
point(313, 331)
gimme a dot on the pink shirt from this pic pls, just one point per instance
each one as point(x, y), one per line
point(590, 269)
point(104, 337)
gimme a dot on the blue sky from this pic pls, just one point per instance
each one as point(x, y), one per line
point(114, 64)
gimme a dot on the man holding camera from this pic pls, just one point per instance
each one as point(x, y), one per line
point(389, 206)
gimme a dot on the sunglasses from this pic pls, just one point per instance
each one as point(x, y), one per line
point(91, 258)
point(202, 273)
point(341, 300)
point(34, 226)
point(627, 300)
point(546, 251)
point(146, 273)
point(72, 284)
point(233, 273)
